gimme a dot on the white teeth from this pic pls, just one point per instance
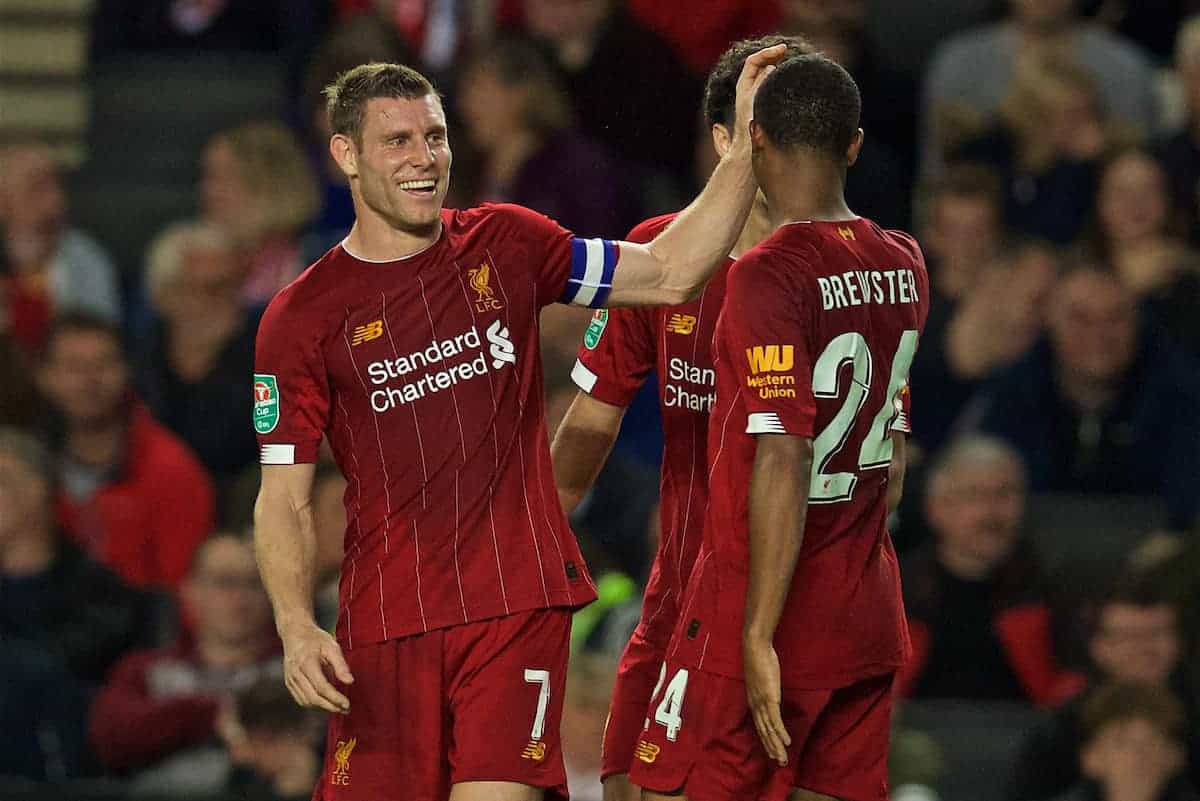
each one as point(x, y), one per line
point(426, 184)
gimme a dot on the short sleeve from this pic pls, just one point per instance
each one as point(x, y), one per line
point(570, 269)
point(616, 355)
point(764, 334)
point(291, 397)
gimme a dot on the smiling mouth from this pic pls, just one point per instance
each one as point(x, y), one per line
point(424, 187)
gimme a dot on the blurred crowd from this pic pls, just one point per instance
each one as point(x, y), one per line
point(1046, 153)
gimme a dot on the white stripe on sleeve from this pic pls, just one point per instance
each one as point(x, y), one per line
point(584, 378)
point(764, 423)
point(278, 454)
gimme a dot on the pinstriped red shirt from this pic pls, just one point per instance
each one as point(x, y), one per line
point(424, 376)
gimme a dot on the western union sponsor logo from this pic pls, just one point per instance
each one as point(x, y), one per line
point(770, 358)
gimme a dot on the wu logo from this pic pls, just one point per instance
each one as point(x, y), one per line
point(341, 758)
point(365, 333)
point(846, 232)
point(502, 349)
point(681, 324)
point(770, 358)
point(485, 296)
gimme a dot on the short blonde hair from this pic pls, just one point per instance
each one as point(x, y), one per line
point(164, 259)
point(277, 174)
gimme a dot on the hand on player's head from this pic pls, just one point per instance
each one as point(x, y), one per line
point(756, 69)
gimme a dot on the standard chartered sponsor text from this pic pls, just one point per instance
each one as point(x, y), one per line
point(425, 361)
point(685, 396)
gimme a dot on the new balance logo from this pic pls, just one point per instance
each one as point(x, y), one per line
point(770, 358)
point(681, 324)
point(536, 750)
point(647, 752)
point(365, 333)
point(846, 232)
point(502, 349)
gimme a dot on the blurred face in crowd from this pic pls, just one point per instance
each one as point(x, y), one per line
point(24, 496)
point(1093, 327)
point(1134, 751)
point(1136, 643)
point(224, 594)
point(976, 510)
point(209, 275)
point(1044, 14)
point(964, 232)
point(33, 206)
point(492, 109)
point(1133, 201)
point(225, 198)
point(85, 377)
point(401, 171)
point(565, 19)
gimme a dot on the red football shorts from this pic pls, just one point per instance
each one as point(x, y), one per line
point(702, 741)
point(637, 673)
point(476, 702)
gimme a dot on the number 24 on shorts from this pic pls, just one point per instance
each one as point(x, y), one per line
point(669, 711)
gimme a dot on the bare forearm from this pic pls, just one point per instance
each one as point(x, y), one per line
point(581, 446)
point(778, 508)
point(701, 237)
point(285, 542)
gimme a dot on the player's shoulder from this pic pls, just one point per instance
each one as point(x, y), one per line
point(315, 289)
point(647, 230)
point(508, 219)
point(903, 241)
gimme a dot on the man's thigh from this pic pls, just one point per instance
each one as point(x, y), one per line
point(845, 755)
point(394, 734)
point(638, 673)
point(505, 683)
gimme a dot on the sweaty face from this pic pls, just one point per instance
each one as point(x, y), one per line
point(977, 511)
point(1093, 327)
point(1133, 198)
point(402, 169)
point(85, 376)
point(1136, 643)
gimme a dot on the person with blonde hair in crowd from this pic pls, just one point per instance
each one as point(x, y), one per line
point(259, 187)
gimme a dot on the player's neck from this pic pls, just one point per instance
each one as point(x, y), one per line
point(374, 239)
point(757, 228)
point(809, 191)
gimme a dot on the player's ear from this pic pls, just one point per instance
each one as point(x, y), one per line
point(855, 148)
point(720, 139)
point(345, 153)
point(758, 137)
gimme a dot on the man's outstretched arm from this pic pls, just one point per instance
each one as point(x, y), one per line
point(581, 446)
point(779, 488)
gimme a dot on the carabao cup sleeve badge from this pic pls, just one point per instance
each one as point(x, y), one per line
point(266, 403)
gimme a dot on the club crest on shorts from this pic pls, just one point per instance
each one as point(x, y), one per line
point(266, 403)
point(341, 758)
point(536, 750)
point(595, 329)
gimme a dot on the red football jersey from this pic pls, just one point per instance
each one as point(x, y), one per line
point(424, 375)
point(815, 340)
point(620, 348)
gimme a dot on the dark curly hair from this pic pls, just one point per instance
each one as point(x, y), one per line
point(720, 90)
point(809, 102)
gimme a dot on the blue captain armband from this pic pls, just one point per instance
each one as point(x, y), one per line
point(593, 262)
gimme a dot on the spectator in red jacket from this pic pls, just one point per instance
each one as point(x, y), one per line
point(979, 626)
point(131, 493)
point(155, 718)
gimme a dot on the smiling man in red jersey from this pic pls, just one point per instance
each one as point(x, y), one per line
point(411, 347)
point(620, 348)
point(779, 673)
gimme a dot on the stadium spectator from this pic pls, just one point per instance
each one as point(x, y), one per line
point(1136, 234)
point(194, 365)
point(617, 72)
point(971, 73)
point(130, 492)
point(438, 34)
point(979, 625)
point(45, 717)
point(46, 265)
point(701, 35)
point(1180, 150)
point(154, 720)
point(1135, 637)
point(1046, 142)
point(218, 25)
point(271, 742)
point(523, 124)
point(51, 595)
point(258, 186)
point(1133, 747)
point(1088, 404)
